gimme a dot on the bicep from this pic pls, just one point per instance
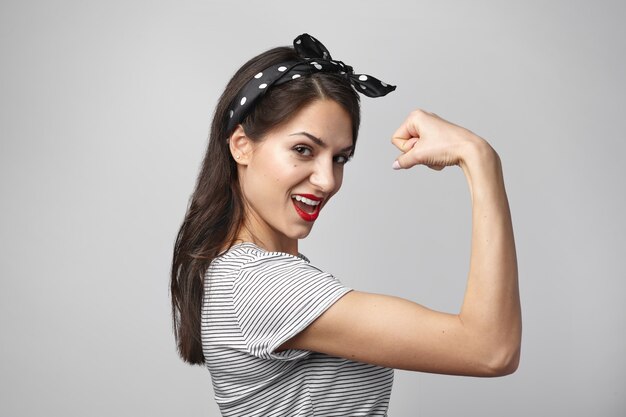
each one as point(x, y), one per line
point(392, 332)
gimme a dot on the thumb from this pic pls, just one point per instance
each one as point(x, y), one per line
point(406, 160)
point(410, 159)
point(405, 146)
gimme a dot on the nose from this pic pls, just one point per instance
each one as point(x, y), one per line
point(324, 177)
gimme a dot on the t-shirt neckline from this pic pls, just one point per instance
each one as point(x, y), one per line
point(255, 246)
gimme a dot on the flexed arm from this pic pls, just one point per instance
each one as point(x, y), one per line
point(484, 338)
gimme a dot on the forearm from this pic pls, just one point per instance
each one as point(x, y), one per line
point(491, 307)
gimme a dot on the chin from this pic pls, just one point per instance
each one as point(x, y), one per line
point(301, 234)
point(304, 235)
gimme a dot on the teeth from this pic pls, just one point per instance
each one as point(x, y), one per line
point(306, 200)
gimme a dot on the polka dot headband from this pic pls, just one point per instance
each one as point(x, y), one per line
point(316, 58)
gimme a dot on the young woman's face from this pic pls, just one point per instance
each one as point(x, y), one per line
point(293, 171)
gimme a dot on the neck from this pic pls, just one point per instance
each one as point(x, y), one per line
point(264, 240)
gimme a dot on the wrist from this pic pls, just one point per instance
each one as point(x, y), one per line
point(482, 168)
point(476, 153)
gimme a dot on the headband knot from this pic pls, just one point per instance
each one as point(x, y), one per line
point(315, 58)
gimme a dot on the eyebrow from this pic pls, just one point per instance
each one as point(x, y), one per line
point(319, 141)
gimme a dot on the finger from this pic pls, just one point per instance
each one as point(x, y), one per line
point(436, 167)
point(399, 142)
point(409, 128)
point(404, 144)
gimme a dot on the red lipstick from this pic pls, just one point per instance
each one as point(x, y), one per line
point(309, 217)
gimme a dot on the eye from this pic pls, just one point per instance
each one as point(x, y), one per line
point(342, 159)
point(303, 150)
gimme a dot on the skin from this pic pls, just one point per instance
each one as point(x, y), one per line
point(484, 338)
point(306, 155)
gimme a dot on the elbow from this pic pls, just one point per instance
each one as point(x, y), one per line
point(502, 353)
point(504, 361)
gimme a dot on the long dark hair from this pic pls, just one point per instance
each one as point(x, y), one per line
point(216, 209)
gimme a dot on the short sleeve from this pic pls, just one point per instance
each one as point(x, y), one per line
point(275, 297)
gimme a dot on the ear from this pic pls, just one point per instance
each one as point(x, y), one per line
point(240, 146)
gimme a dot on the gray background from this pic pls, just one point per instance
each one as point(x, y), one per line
point(105, 110)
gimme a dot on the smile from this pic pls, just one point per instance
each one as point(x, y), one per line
point(307, 206)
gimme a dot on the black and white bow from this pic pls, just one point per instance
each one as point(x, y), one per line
point(315, 52)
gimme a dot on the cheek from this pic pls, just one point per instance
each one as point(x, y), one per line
point(276, 169)
point(338, 179)
point(339, 183)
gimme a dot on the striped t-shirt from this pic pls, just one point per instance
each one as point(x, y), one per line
point(254, 301)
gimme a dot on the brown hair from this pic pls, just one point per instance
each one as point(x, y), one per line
point(215, 212)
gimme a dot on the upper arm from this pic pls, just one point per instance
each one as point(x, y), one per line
point(397, 333)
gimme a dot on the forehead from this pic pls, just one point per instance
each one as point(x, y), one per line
point(324, 119)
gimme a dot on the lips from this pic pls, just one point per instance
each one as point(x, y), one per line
point(307, 206)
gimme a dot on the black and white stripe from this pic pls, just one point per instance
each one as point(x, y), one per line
point(254, 302)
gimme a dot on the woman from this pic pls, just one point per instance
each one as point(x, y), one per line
point(281, 337)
